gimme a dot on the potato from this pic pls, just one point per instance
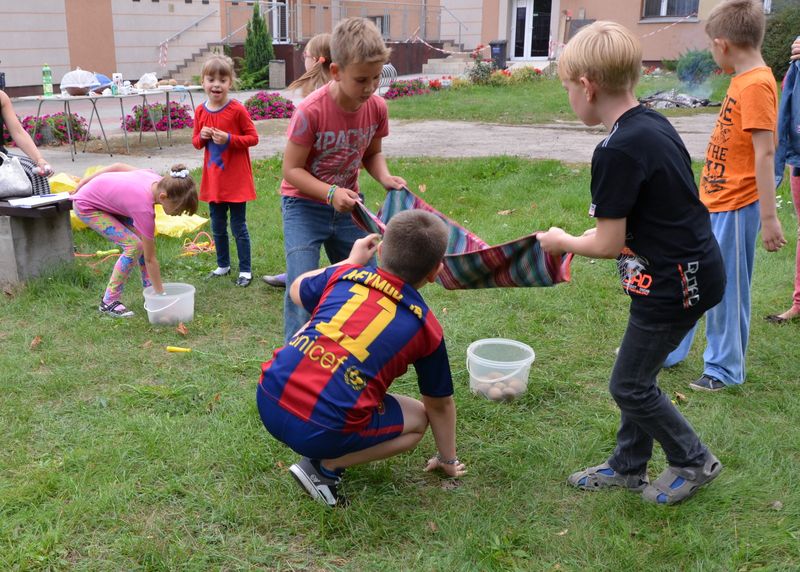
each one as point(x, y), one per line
point(510, 393)
point(516, 384)
point(494, 393)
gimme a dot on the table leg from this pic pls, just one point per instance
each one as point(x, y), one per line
point(153, 123)
point(169, 120)
point(67, 120)
point(124, 127)
point(36, 121)
point(102, 130)
point(89, 128)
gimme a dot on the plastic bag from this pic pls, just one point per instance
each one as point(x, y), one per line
point(79, 82)
point(147, 81)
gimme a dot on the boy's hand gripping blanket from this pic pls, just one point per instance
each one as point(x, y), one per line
point(470, 262)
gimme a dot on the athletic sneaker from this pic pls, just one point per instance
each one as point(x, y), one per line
point(308, 475)
point(707, 383)
point(115, 309)
point(277, 280)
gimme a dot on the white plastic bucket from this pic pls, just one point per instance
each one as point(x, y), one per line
point(174, 307)
point(498, 368)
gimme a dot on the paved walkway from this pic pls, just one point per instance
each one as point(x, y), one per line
point(565, 141)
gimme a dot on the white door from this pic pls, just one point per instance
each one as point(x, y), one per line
point(530, 29)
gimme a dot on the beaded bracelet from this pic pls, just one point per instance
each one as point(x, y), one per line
point(453, 461)
point(331, 191)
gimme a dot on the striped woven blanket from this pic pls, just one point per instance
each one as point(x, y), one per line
point(470, 262)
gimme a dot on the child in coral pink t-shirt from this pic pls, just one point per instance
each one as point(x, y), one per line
point(334, 131)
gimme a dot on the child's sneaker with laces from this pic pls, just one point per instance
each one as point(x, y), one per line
point(115, 309)
point(308, 475)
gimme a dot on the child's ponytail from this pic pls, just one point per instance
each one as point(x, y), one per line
point(319, 48)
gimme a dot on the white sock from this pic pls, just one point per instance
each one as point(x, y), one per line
point(219, 271)
point(248, 275)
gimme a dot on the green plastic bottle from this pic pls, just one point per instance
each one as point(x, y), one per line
point(47, 81)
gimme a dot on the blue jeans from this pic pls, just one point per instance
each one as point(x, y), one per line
point(647, 414)
point(308, 226)
point(219, 229)
point(728, 323)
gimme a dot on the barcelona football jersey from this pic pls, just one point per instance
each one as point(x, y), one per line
point(366, 327)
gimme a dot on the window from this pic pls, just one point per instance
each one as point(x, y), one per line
point(669, 8)
point(382, 23)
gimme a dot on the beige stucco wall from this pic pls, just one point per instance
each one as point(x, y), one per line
point(139, 28)
point(33, 32)
point(661, 38)
point(465, 24)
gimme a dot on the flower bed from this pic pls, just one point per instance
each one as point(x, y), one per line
point(51, 129)
point(264, 105)
point(406, 88)
point(144, 116)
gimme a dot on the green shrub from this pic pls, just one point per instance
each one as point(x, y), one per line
point(782, 28)
point(669, 65)
point(695, 66)
point(480, 72)
point(525, 74)
point(258, 52)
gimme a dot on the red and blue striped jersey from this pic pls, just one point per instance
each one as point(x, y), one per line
point(367, 326)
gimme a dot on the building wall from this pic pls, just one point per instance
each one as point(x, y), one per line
point(470, 14)
point(140, 27)
point(662, 38)
point(33, 33)
point(98, 54)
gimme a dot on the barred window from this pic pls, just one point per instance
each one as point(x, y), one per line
point(669, 8)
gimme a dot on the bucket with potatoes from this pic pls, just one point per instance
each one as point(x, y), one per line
point(498, 368)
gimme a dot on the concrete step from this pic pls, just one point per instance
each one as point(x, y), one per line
point(446, 67)
point(193, 65)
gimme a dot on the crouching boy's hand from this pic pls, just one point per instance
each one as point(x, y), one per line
point(364, 249)
point(456, 469)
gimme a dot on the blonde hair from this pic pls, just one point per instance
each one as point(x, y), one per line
point(319, 48)
point(414, 244)
point(357, 41)
point(605, 53)
point(741, 22)
point(218, 66)
point(180, 189)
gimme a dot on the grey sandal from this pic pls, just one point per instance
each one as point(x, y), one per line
point(676, 484)
point(604, 477)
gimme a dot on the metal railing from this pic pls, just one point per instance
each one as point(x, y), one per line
point(189, 27)
point(460, 25)
point(292, 23)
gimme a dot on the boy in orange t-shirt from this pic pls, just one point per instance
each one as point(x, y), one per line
point(737, 186)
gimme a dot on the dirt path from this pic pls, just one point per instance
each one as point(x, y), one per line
point(570, 142)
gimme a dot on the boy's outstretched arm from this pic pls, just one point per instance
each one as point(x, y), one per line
point(606, 240)
point(375, 164)
point(771, 231)
point(362, 252)
point(441, 413)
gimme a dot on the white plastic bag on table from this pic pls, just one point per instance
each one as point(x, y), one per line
point(147, 81)
point(79, 82)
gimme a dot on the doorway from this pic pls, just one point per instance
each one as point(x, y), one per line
point(530, 28)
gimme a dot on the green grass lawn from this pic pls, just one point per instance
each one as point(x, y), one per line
point(542, 101)
point(120, 456)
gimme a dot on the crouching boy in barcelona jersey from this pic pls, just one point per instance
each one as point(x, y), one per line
point(324, 394)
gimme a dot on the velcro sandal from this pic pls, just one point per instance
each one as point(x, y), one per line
point(604, 477)
point(676, 484)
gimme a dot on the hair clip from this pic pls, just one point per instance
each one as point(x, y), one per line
point(321, 59)
point(182, 174)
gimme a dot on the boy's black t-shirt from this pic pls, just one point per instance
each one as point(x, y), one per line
point(671, 265)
